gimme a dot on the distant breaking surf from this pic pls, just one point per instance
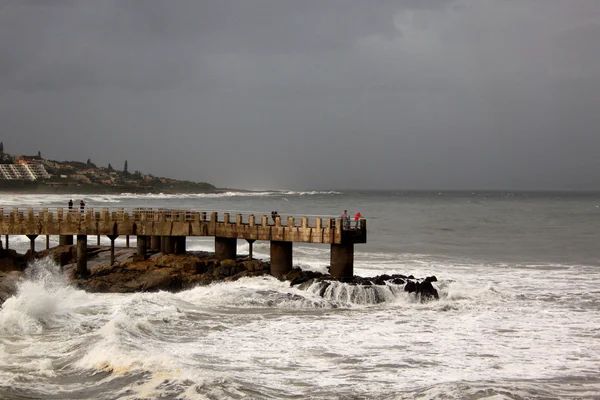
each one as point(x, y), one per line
point(272, 193)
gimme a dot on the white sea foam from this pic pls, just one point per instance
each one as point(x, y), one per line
point(193, 195)
point(111, 353)
point(33, 200)
point(222, 194)
point(310, 193)
point(261, 325)
point(100, 199)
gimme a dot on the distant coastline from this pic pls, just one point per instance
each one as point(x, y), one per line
point(24, 187)
point(36, 175)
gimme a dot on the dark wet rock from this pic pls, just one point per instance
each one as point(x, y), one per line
point(10, 260)
point(410, 287)
point(421, 287)
point(8, 284)
point(297, 276)
point(295, 273)
point(62, 255)
point(170, 272)
point(12, 265)
point(425, 289)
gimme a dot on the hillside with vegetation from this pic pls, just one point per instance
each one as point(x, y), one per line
point(84, 177)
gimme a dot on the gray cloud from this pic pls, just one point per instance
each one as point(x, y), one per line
point(310, 94)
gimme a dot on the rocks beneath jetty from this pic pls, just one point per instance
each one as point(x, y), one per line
point(12, 265)
point(10, 260)
point(422, 288)
point(172, 272)
point(168, 272)
point(8, 284)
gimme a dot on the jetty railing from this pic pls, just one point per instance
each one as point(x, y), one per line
point(138, 214)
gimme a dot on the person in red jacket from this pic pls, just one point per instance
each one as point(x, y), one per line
point(356, 218)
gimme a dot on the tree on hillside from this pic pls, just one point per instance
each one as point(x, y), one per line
point(125, 167)
point(88, 162)
point(1, 147)
point(39, 154)
point(110, 168)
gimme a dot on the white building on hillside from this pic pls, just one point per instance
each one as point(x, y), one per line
point(24, 172)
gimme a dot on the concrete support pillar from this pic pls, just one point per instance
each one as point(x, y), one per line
point(155, 243)
point(6, 238)
point(250, 243)
point(47, 242)
point(127, 241)
point(112, 248)
point(342, 261)
point(32, 243)
point(142, 246)
point(281, 257)
point(180, 244)
point(162, 244)
point(225, 248)
point(65, 240)
point(82, 255)
point(98, 240)
point(169, 245)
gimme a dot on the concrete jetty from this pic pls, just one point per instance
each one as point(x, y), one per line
point(166, 230)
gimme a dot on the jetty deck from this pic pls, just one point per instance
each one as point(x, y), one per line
point(166, 230)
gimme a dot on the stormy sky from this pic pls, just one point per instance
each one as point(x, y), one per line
point(310, 94)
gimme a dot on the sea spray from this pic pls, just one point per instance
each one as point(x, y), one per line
point(38, 299)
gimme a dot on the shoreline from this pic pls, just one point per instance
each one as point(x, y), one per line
point(69, 186)
point(117, 190)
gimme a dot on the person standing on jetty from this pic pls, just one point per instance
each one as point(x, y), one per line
point(345, 219)
point(70, 205)
point(81, 206)
point(356, 218)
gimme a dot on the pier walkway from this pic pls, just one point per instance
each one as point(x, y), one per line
point(166, 230)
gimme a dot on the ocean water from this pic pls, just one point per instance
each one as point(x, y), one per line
point(518, 315)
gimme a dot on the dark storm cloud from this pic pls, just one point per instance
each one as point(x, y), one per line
point(301, 94)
